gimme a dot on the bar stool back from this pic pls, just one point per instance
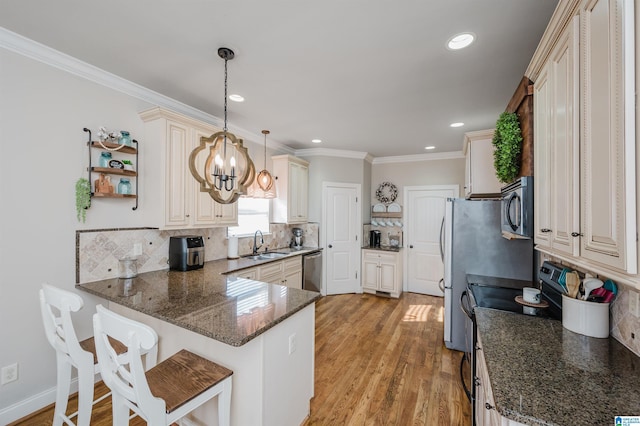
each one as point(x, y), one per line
point(165, 393)
point(56, 306)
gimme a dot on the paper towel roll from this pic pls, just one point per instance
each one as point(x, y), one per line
point(232, 252)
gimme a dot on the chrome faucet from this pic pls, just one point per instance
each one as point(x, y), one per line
point(255, 243)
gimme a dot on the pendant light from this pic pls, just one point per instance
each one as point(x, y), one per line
point(227, 171)
point(264, 185)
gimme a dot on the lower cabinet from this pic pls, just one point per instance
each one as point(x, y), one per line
point(381, 272)
point(486, 413)
point(286, 272)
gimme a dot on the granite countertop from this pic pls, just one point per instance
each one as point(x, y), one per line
point(383, 248)
point(226, 308)
point(544, 374)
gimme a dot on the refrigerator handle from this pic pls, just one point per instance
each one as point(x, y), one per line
point(441, 284)
point(465, 306)
point(442, 240)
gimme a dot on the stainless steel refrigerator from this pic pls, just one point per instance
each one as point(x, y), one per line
point(472, 243)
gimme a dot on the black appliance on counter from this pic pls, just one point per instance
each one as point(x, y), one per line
point(500, 293)
point(186, 253)
point(375, 238)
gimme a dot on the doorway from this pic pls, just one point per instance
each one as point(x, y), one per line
point(424, 211)
point(341, 237)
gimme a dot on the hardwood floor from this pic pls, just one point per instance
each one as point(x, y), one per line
point(383, 361)
point(379, 361)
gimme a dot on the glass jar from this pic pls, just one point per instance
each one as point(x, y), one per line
point(105, 157)
point(127, 268)
point(126, 138)
point(124, 187)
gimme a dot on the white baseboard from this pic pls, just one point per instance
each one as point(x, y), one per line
point(32, 404)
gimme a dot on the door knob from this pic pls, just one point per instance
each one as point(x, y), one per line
point(411, 246)
point(330, 246)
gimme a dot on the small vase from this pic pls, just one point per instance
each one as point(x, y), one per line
point(126, 138)
point(124, 187)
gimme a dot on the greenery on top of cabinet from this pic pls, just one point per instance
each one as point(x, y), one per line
point(507, 141)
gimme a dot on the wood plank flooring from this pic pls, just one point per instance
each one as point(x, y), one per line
point(379, 361)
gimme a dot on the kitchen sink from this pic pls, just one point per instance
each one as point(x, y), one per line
point(265, 256)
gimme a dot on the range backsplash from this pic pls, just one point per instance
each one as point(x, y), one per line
point(99, 250)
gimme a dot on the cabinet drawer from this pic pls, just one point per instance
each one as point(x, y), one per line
point(272, 278)
point(250, 274)
point(270, 269)
point(292, 264)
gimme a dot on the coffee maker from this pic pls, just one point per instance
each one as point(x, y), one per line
point(296, 243)
point(374, 238)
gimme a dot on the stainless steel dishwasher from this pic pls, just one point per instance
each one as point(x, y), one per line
point(312, 271)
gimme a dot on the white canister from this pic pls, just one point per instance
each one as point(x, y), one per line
point(587, 318)
point(531, 295)
point(232, 246)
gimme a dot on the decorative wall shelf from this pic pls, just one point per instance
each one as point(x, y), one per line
point(111, 147)
point(397, 215)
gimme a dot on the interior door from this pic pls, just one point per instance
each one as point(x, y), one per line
point(424, 213)
point(342, 218)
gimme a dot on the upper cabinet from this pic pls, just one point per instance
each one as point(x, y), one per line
point(584, 118)
point(292, 186)
point(480, 175)
point(174, 197)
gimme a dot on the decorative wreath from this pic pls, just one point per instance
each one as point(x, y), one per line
point(386, 193)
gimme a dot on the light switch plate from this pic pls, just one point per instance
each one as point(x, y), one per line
point(137, 249)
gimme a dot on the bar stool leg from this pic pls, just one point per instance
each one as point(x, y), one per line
point(62, 390)
point(120, 410)
point(86, 376)
point(224, 404)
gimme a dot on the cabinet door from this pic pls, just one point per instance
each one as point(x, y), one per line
point(226, 214)
point(370, 271)
point(204, 209)
point(564, 188)
point(482, 177)
point(542, 138)
point(297, 192)
point(293, 279)
point(303, 193)
point(608, 135)
point(388, 275)
point(178, 188)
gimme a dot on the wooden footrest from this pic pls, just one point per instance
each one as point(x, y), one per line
point(184, 376)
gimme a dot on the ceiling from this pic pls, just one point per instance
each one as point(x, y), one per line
point(364, 75)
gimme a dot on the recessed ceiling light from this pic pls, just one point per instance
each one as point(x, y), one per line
point(460, 41)
point(430, 147)
point(316, 140)
point(456, 124)
point(236, 98)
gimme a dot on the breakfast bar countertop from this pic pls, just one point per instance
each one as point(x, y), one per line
point(226, 308)
point(544, 374)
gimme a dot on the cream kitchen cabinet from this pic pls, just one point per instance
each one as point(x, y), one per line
point(585, 137)
point(381, 272)
point(480, 175)
point(486, 413)
point(292, 186)
point(556, 147)
point(287, 272)
point(172, 194)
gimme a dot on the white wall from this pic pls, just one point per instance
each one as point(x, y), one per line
point(428, 172)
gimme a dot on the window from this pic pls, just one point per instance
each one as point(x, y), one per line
point(253, 214)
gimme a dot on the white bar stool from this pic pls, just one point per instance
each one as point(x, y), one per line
point(56, 306)
point(165, 393)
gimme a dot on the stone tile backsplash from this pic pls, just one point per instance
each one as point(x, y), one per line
point(98, 251)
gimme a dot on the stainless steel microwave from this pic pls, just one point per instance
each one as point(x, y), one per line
point(517, 208)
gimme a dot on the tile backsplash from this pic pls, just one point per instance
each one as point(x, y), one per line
point(98, 251)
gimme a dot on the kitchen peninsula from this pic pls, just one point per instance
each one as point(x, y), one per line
point(263, 332)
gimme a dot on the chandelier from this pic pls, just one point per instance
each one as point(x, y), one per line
point(221, 163)
point(263, 186)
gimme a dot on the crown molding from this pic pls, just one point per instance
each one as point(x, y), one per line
point(39, 52)
point(326, 152)
point(455, 155)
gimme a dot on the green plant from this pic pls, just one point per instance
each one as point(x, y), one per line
point(507, 141)
point(83, 198)
point(126, 162)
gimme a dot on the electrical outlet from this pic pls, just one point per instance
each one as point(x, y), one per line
point(9, 374)
point(137, 249)
point(293, 343)
point(634, 303)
